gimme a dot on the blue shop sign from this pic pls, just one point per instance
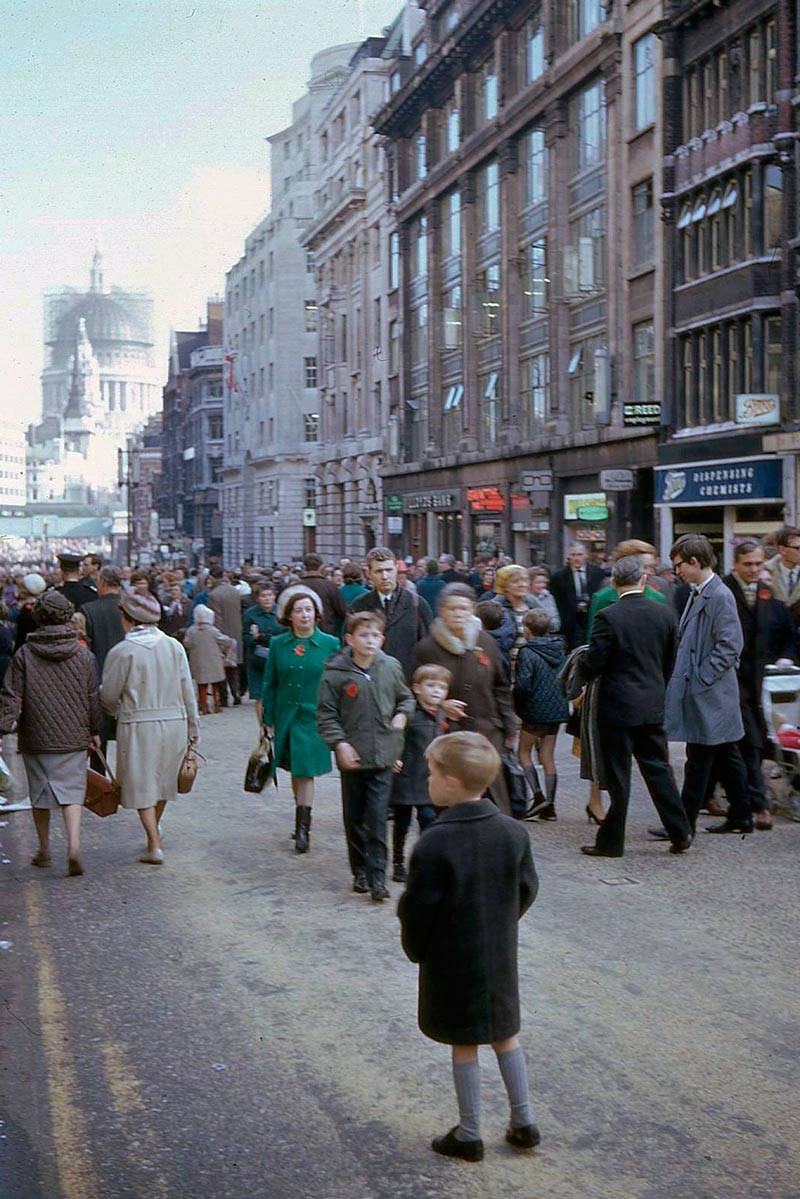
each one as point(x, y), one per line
point(749, 480)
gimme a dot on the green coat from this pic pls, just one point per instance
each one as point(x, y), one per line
point(291, 683)
point(609, 595)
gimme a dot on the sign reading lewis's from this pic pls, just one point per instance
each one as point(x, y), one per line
point(745, 481)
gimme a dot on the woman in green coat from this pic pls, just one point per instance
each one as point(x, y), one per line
point(289, 700)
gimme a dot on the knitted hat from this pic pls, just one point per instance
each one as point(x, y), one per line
point(141, 609)
point(52, 608)
point(34, 584)
point(201, 614)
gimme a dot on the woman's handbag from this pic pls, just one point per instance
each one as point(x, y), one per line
point(188, 769)
point(259, 765)
point(103, 792)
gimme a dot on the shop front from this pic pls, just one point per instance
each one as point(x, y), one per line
point(724, 499)
point(424, 524)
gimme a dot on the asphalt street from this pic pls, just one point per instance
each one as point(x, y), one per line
point(237, 1024)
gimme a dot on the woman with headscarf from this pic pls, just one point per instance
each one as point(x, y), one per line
point(148, 687)
point(289, 699)
point(50, 698)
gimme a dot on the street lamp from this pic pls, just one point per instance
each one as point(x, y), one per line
point(128, 477)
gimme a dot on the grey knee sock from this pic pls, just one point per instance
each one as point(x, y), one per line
point(550, 784)
point(515, 1077)
point(467, 1081)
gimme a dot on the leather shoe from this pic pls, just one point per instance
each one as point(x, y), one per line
point(527, 1137)
point(731, 826)
point(714, 807)
point(449, 1146)
point(379, 893)
point(681, 846)
point(360, 885)
point(592, 851)
point(660, 833)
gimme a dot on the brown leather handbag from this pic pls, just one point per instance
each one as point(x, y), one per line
point(103, 792)
point(188, 769)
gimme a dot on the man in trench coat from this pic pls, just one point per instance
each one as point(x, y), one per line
point(702, 702)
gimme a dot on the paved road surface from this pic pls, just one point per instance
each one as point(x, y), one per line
point(238, 1025)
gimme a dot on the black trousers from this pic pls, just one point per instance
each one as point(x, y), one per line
point(752, 756)
point(426, 814)
point(648, 745)
point(365, 802)
point(726, 760)
point(232, 683)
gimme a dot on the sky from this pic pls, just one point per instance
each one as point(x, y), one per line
point(143, 124)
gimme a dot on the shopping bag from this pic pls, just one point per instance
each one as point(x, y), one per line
point(519, 793)
point(103, 793)
point(188, 769)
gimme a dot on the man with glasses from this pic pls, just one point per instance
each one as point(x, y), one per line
point(702, 702)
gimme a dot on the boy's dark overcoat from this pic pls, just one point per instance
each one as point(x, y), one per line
point(470, 880)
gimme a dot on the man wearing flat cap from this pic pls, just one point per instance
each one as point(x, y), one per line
point(76, 592)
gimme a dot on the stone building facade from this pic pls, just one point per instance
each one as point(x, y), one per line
point(355, 253)
point(731, 275)
point(525, 162)
point(272, 416)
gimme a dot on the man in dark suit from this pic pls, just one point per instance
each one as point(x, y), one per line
point(631, 652)
point(768, 634)
point(334, 608)
point(103, 631)
point(572, 587)
point(76, 592)
point(407, 615)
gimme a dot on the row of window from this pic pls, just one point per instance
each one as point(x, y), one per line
point(742, 72)
point(255, 278)
point(722, 226)
point(731, 358)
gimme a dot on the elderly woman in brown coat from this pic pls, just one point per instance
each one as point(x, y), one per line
point(479, 697)
point(50, 698)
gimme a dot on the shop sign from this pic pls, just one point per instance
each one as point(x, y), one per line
point(758, 409)
point(594, 499)
point(521, 512)
point(485, 499)
point(536, 480)
point(394, 504)
point(394, 524)
point(432, 501)
point(616, 480)
point(732, 482)
point(641, 416)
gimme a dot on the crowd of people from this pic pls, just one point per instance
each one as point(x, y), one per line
point(422, 680)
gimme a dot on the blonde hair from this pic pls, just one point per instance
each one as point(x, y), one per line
point(431, 672)
point(78, 623)
point(468, 757)
point(505, 574)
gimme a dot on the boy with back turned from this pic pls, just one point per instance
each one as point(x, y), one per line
point(471, 878)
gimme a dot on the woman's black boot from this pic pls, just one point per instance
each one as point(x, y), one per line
point(302, 829)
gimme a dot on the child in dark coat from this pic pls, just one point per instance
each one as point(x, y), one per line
point(470, 880)
point(541, 706)
point(410, 787)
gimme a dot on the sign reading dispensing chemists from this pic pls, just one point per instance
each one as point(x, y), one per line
point(749, 480)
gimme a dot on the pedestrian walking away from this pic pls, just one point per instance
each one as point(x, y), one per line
point(471, 879)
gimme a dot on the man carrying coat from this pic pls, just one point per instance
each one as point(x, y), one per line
point(702, 704)
point(631, 651)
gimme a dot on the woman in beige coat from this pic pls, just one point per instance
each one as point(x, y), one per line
point(148, 687)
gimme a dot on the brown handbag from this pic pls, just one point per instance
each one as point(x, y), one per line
point(103, 793)
point(188, 769)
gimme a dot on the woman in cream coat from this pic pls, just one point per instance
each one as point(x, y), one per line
point(148, 687)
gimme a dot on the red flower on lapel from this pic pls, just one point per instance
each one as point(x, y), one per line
point(764, 593)
point(484, 659)
point(300, 650)
point(352, 690)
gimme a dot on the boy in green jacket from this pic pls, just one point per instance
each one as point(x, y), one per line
point(363, 708)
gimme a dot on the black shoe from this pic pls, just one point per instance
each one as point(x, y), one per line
point(537, 805)
point(731, 826)
point(400, 874)
point(236, 701)
point(360, 885)
point(548, 812)
point(592, 851)
point(449, 1146)
point(527, 1137)
point(380, 892)
point(660, 834)
point(302, 828)
point(681, 846)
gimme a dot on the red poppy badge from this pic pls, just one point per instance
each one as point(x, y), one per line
point(764, 593)
point(300, 650)
point(484, 659)
point(352, 690)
